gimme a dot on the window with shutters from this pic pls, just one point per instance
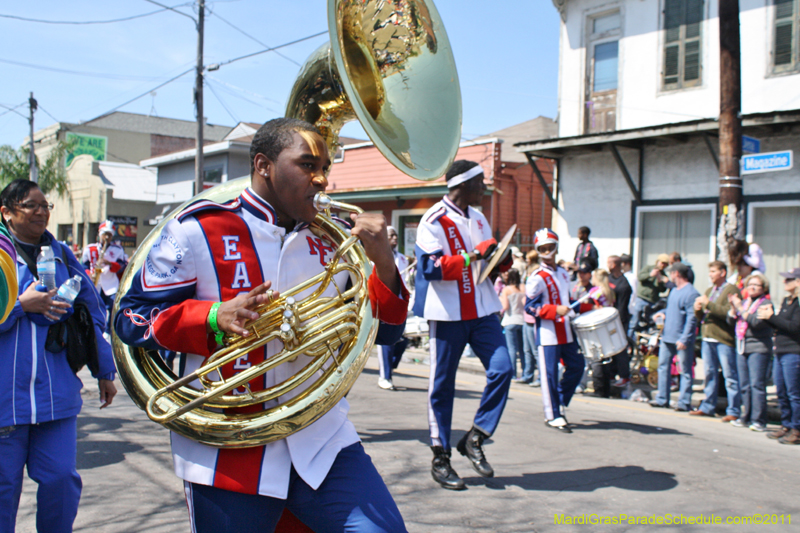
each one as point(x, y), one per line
point(682, 62)
point(603, 32)
point(786, 41)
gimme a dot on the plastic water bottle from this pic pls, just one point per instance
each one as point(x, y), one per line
point(69, 290)
point(46, 268)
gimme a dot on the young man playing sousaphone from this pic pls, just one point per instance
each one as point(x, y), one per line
point(213, 265)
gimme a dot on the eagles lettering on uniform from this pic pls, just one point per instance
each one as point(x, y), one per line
point(211, 253)
point(443, 232)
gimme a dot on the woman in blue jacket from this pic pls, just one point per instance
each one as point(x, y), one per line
point(39, 394)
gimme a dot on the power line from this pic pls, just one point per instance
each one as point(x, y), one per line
point(245, 91)
point(269, 49)
point(13, 110)
point(225, 107)
point(217, 65)
point(46, 112)
point(175, 10)
point(79, 73)
point(253, 38)
point(148, 91)
point(26, 19)
point(221, 86)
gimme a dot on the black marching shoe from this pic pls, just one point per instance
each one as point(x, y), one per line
point(471, 447)
point(442, 472)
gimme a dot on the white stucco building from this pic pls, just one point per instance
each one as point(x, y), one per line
point(637, 147)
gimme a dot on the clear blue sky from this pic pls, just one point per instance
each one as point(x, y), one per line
point(506, 53)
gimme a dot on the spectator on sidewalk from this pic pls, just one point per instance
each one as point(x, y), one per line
point(583, 284)
point(603, 371)
point(711, 311)
point(622, 296)
point(512, 298)
point(40, 397)
point(677, 338)
point(520, 264)
point(746, 259)
point(626, 263)
point(652, 282)
point(529, 341)
point(786, 372)
point(753, 351)
point(586, 251)
point(500, 283)
point(675, 257)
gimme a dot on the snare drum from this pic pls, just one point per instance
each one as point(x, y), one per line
point(600, 333)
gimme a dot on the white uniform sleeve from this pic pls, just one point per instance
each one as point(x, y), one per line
point(430, 238)
point(170, 262)
point(534, 286)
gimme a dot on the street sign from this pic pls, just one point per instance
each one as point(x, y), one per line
point(768, 162)
point(751, 144)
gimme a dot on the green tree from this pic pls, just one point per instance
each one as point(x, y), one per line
point(52, 174)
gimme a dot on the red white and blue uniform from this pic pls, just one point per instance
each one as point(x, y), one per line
point(108, 282)
point(212, 252)
point(459, 311)
point(546, 289)
point(116, 260)
point(391, 355)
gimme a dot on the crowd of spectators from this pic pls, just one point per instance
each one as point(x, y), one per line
point(741, 335)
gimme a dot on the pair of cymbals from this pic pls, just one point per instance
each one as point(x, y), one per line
point(499, 254)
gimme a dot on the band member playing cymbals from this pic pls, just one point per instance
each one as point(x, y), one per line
point(452, 238)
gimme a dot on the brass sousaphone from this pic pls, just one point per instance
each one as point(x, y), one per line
point(388, 64)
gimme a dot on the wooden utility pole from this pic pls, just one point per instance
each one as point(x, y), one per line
point(731, 219)
point(34, 172)
point(198, 99)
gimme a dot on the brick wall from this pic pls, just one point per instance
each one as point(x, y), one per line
point(523, 201)
point(163, 144)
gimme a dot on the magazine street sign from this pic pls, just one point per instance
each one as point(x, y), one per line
point(768, 162)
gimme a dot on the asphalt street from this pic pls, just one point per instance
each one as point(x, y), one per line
point(623, 459)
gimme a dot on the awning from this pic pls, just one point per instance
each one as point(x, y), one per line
point(667, 133)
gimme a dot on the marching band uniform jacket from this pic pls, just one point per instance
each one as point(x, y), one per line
point(401, 262)
point(547, 288)
point(116, 259)
point(37, 385)
point(445, 289)
point(210, 253)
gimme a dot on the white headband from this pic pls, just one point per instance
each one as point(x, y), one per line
point(461, 178)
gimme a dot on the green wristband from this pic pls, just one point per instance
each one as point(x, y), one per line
point(466, 258)
point(219, 335)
